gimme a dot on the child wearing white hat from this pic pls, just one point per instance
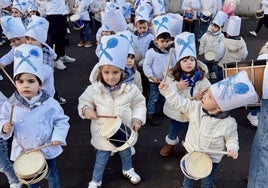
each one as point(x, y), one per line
point(187, 78)
point(211, 128)
point(37, 116)
point(111, 82)
point(232, 48)
point(6, 166)
point(210, 42)
point(19, 9)
point(155, 63)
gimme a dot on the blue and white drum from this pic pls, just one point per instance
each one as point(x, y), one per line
point(188, 16)
point(118, 134)
point(78, 22)
point(205, 16)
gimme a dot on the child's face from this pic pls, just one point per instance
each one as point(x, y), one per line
point(27, 85)
point(188, 64)
point(111, 74)
point(105, 33)
point(32, 12)
point(209, 103)
point(18, 41)
point(142, 28)
point(32, 41)
point(130, 61)
point(162, 43)
point(214, 28)
point(16, 13)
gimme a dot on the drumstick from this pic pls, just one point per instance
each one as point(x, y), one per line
point(197, 97)
point(213, 151)
point(168, 64)
point(8, 76)
point(11, 113)
point(102, 116)
point(39, 148)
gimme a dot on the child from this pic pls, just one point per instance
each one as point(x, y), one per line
point(210, 126)
point(233, 48)
point(112, 94)
point(32, 8)
point(193, 7)
point(5, 165)
point(33, 106)
point(187, 79)
point(82, 7)
point(210, 42)
point(155, 63)
point(19, 9)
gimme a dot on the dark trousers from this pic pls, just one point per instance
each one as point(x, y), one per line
point(262, 21)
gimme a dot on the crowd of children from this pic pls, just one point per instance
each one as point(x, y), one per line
point(140, 48)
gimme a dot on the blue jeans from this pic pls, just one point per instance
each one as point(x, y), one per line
point(205, 182)
point(102, 158)
point(203, 27)
point(219, 73)
point(258, 166)
point(52, 175)
point(85, 32)
point(5, 165)
point(153, 98)
point(175, 127)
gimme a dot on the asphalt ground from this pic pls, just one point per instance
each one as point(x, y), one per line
point(76, 163)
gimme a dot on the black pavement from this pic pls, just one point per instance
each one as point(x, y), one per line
point(76, 162)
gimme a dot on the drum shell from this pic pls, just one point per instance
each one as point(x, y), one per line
point(188, 16)
point(259, 14)
point(205, 16)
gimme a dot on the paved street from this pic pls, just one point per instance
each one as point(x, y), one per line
point(76, 163)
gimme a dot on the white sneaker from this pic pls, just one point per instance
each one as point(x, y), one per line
point(253, 33)
point(15, 185)
point(1, 77)
point(132, 176)
point(254, 120)
point(94, 184)
point(1, 43)
point(133, 151)
point(59, 65)
point(67, 59)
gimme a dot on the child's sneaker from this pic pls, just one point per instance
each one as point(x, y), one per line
point(133, 151)
point(1, 77)
point(132, 176)
point(254, 120)
point(15, 185)
point(67, 59)
point(94, 184)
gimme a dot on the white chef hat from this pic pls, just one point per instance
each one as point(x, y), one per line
point(28, 58)
point(32, 6)
point(37, 28)
point(113, 51)
point(185, 45)
point(161, 24)
point(234, 25)
point(20, 5)
point(159, 7)
point(12, 27)
point(5, 3)
point(128, 35)
point(234, 91)
point(176, 22)
point(220, 18)
point(143, 12)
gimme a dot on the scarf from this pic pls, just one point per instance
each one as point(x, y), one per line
point(192, 82)
point(129, 79)
point(36, 101)
point(220, 115)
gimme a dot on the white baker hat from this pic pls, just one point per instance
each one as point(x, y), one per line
point(125, 8)
point(143, 12)
point(234, 25)
point(20, 5)
point(37, 28)
point(5, 3)
point(12, 27)
point(32, 5)
point(113, 51)
point(185, 45)
point(129, 36)
point(161, 24)
point(176, 22)
point(159, 7)
point(234, 91)
point(28, 59)
point(220, 18)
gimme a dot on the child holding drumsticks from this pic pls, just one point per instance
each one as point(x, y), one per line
point(112, 93)
point(5, 165)
point(210, 126)
point(38, 119)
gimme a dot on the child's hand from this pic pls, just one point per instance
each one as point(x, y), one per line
point(135, 125)
point(90, 114)
point(183, 84)
point(7, 128)
point(154, 80)
point(233, 154)
point(163, 86)
point(55, 143)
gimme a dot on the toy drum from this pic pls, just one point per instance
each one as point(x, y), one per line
point(31, 167)
point(118, 134)
point(188, 16)
point(196, 165)
point(78, 22)
point(255, 70)
point(205, 16)
point(210, 56)
point(259, 13)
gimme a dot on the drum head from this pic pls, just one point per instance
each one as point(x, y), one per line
point(210, 55)
point(75, 17)
point(198, 164)
point(110, 127)
point(183, 167)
